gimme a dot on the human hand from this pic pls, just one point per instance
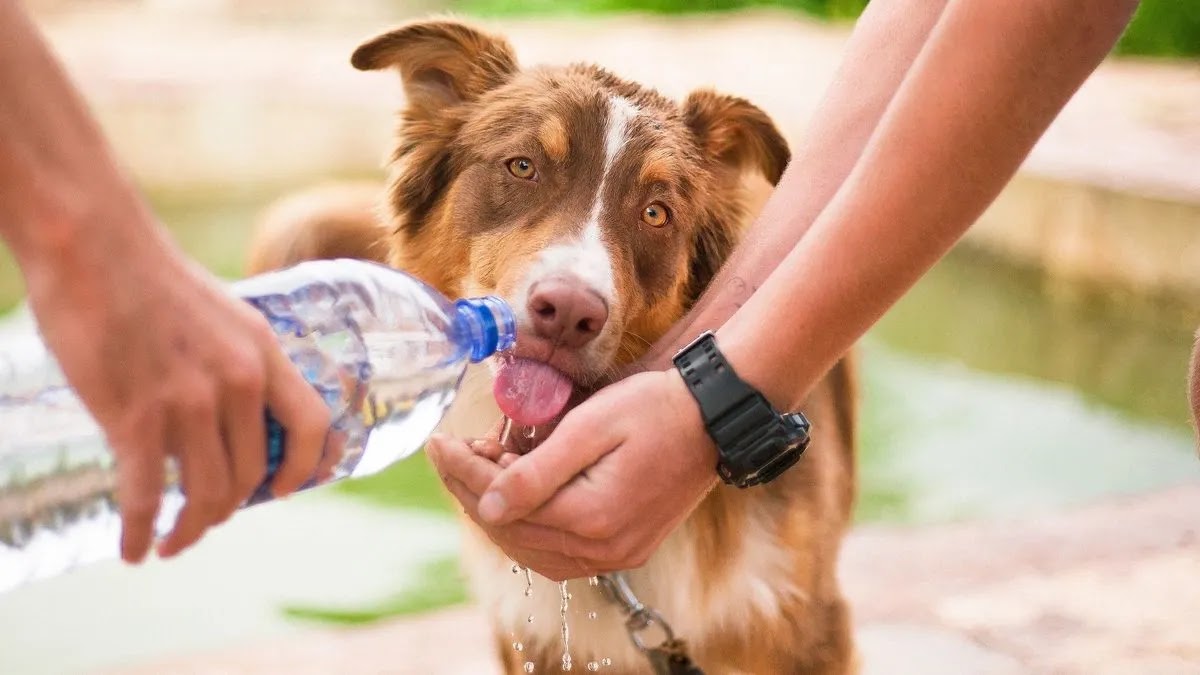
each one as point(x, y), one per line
point(600, 494)
point(169, 364)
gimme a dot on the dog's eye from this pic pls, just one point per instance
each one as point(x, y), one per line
point(522, 167)
point(656, 215)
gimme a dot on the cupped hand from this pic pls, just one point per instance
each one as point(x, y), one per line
point(601, 493)
point(169, 364)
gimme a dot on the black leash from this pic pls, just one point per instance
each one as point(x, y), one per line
point(667, 657)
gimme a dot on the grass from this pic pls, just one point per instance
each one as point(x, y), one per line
point(410, 484)
point(830, 9)
point(1161, 28)
point(441, 585)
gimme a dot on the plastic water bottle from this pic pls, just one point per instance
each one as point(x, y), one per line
point(386, 352)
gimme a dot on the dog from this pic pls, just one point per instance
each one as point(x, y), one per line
point(600, 210)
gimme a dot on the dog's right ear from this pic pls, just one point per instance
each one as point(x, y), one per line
point(442, 63)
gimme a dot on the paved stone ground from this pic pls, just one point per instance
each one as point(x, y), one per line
point(1111, 588)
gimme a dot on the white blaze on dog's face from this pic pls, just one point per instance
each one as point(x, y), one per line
point(597, 208)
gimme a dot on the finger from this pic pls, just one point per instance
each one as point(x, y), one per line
point(141, 477)
point(205, 473)
point(581, 438)
point(245, 430)
point(455, 459)
point(488, 448)
point(507, 459)
point(335, 451)
point(529, 535)
point(305, 418)
point(544, 556)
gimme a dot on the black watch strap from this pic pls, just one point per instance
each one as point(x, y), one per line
point(755, 443)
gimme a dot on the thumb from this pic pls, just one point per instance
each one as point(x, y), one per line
point(524, 486)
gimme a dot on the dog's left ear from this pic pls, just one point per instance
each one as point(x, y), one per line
point(441, 62)
point(737, 133)
point(739, 137)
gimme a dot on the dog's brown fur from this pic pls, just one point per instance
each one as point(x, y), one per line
point(452, 216)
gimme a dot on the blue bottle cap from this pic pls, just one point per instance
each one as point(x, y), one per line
point(491, 326)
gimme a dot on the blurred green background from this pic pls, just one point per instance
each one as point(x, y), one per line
point(1166, 28)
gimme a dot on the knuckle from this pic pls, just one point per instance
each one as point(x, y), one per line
point(195, 399)
point(244, 374)
point(316, 422)
point(523, 480)
point(638, 560)
point(600, 526)
point(261, 332)
point(215, 498)
point(626, 550)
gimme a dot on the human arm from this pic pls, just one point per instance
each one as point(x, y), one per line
point(986, 85)
point(162, 357)
point(882, 47)
point(990, 81)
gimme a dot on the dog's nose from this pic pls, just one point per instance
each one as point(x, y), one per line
point(566, 312)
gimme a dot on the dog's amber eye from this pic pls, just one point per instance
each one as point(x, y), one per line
point(521, 167)
point(655, 215)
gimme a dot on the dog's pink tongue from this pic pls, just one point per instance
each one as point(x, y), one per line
point(530, 392)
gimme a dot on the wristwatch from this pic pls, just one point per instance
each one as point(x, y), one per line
point(755, 442)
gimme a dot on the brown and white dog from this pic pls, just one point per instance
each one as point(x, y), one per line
point(600, 210)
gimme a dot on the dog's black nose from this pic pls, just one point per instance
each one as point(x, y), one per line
point(566, 311)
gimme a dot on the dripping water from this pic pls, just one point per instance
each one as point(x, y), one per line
point(566, 631)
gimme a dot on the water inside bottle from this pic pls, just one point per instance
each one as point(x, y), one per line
point(387, 390)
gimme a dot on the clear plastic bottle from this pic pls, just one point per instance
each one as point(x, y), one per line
point(386, 352)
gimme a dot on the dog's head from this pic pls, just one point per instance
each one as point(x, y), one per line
point(597, 208)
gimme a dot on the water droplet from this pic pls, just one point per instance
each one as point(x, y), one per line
point(516, 569)
point(529, 666)
point(531, 433)
point(592, 615)
point(518, 646)
point(606, 661)
point(504, 431)
point(528, 592)
point(566, 662)
point(530, 619)
point(570, 596)
point(593, 666)
point(594, 581)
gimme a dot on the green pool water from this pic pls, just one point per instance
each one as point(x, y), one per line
point(985, 395)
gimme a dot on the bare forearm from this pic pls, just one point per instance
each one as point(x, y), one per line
point(885, 41)
point(56, 172)
point(990, 81)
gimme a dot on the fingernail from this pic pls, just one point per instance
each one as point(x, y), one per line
point(491, 507)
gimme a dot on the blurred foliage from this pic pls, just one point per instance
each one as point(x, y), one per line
point(833, 9)
point(412, 483)
point(1161, 28)
point(441, 585)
